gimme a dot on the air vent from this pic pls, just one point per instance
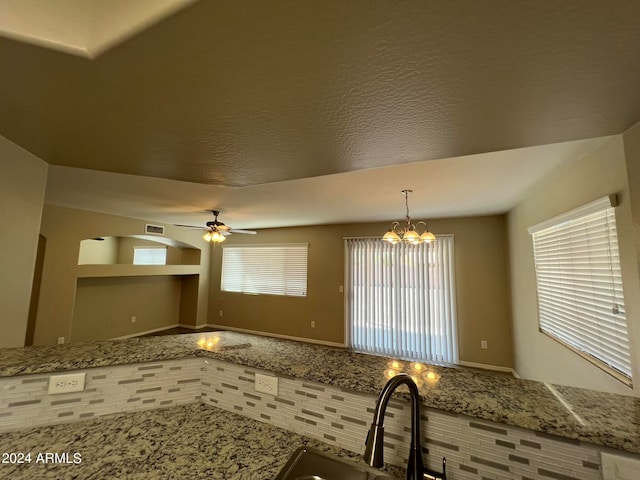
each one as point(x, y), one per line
point(154, 229)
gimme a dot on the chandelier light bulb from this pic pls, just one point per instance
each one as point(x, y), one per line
point(391, 237)
point(427, 237)
point(411, 237)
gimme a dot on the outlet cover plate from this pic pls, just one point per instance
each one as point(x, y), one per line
point(73, 382)
point(616, 467)
point(267, 384)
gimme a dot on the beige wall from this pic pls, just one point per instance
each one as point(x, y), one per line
point(99, 252)
point(481, 282)
point(537, 356)
point(104, 306)
point(64, 228)
point(632, 156)
point(22, 185)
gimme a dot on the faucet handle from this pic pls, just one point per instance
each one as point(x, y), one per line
point(374, 446)
point(433, 475)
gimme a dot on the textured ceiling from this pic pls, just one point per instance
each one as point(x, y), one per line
point(481, 184)
point(245, 93)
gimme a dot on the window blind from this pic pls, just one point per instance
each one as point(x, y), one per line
point(401, 299)
point(272, 269)
point(579, 283)
point(149, 255)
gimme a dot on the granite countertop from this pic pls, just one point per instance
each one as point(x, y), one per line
point(595, 417)
point(187, 442)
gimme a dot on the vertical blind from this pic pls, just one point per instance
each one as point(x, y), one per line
point(401, 299)
point(579, 282)
point(271, 269)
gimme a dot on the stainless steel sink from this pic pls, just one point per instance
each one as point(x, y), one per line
point(311, 464)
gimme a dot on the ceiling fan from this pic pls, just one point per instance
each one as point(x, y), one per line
point(216, 231)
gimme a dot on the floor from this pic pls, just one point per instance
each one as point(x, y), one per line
point(180, 330)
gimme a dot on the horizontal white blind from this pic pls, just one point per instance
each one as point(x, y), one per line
point(402, 299)
point(272, 269)
point(580, 296)
point(149, 255)
point(577, 213)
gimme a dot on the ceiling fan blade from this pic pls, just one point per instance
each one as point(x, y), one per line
point(188, 226)
point(216, 226)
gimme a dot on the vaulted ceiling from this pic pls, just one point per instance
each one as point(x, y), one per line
point(257, 93)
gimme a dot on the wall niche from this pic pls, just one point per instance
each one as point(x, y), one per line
point(120, 250)
point(116, 298)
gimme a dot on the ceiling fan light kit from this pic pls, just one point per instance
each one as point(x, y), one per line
point(214, 236)
point(408, 233)
point(216, 231)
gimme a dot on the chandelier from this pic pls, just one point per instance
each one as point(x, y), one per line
point(408, 233)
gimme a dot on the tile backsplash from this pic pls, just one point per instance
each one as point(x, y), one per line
point(25, 402)
point(475, 449)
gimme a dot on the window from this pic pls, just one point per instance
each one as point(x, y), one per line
point(149, 255)
point(579, 283)
point(265, 269)
point(401, 299)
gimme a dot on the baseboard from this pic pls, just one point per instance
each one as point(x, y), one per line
point(192, 327)
point(277, 335)
point(146, 332)
point(484, 366)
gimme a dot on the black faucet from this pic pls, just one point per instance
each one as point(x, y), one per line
point(373, 454)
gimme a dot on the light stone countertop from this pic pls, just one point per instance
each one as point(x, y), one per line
point(594, 417)
point(194, 441)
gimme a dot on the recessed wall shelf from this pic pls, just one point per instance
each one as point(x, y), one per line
point(122, 270)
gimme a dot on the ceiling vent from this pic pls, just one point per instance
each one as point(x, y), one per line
point(154, 229)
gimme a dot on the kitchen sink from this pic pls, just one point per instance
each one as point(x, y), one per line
point(310, 464)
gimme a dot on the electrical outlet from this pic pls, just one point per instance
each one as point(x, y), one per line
point(483, 344)
point(133, 319)
point(616, 467)
point(313, 324)
point(340, 289)
point(72, 382)
point(220, 312)
point(60, 340)
point(266, 384)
